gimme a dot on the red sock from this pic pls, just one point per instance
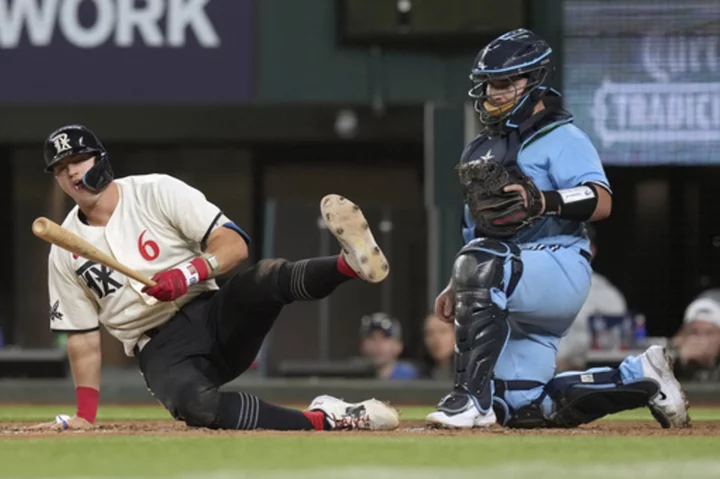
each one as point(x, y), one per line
point(343, 267)
point(316, 418)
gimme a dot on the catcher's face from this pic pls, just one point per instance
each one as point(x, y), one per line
point(504, 94)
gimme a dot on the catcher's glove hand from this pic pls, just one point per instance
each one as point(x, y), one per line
point(497, 212)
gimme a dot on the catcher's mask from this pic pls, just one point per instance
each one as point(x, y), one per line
point(516, 54)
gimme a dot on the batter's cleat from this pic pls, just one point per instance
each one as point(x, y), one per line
point(670, 405)
point(370, 415)
point(347, 223)
point(459, 412)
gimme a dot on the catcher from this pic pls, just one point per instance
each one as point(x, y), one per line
point(530, 181)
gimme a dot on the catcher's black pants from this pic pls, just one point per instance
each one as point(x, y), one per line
point(215, 338)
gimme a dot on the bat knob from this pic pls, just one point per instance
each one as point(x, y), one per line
point(40, 226)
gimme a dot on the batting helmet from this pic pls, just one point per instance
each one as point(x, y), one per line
point(74, 140)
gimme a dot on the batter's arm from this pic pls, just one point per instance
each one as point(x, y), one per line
point(229, 248)
point(85, 358)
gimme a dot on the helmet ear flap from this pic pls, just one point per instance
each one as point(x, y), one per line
point(100, 175)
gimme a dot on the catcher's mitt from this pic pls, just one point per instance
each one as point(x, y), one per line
point(497, 214)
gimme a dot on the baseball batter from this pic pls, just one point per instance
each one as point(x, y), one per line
point(531, 180)
point(189, 336)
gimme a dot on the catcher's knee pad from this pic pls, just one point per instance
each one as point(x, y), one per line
point(580, 398)
point(481, 328)
point(481, 263)
point(196, 404)
point(527, 416)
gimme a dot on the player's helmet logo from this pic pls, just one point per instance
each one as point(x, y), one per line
point(61, 142)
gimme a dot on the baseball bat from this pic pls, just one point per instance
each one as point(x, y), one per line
point(52, 232)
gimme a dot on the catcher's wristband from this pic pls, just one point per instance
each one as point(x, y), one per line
point(87, 403)
point(577, 203)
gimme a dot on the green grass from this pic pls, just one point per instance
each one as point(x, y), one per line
point(351, 456)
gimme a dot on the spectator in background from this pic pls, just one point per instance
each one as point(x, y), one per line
point(698, 342)
point(604, 299)
point(382, 343)
point(440, 345)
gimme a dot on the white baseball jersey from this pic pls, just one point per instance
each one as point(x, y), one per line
point(159, 222)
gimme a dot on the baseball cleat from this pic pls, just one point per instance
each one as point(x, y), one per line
point(669, 406)
point(466, 416)
point(371, 415)
point(347, 223)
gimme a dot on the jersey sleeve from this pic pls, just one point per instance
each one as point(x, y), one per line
point(578, 163)
point(72, 309)
point(190, 212)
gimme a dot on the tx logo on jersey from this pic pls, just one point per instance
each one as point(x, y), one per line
point(98, 278)
point(61, 142)
point(54, 311)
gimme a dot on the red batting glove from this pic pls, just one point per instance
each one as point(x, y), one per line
point(173, 283)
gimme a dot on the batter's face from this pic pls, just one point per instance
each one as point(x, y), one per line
point(69, 174)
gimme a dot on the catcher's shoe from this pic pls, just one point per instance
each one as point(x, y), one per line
point(458, 411)
point(372, 415)
point(669, 406)
point(348, 224)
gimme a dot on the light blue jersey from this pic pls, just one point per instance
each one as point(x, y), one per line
point(556, 270)
point(560, 159)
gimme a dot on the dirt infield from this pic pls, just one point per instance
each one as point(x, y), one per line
point(407, 428)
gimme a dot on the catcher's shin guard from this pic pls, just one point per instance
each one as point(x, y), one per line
point(481, 326)
point(580, 398)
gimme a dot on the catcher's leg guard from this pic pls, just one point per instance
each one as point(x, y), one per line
point(481, 326)
point(580, 398)
point(572, 399)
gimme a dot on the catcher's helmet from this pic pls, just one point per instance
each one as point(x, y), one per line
point(516, 53)
point(75, 140)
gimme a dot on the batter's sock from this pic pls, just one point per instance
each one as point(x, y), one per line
point(318, 420)
point(314, 278)
point(245, 411)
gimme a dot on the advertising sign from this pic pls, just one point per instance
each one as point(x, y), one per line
point(643, 79)
point(126, 51)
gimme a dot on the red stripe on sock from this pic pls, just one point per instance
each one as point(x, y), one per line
point(316, 418)
point(343, 267)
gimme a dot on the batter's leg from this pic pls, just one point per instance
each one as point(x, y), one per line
point(180, 371)
point(244, 310)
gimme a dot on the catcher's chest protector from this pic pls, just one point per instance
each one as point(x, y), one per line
point(504, 149)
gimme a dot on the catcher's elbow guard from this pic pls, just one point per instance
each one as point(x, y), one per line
point(577, 203)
